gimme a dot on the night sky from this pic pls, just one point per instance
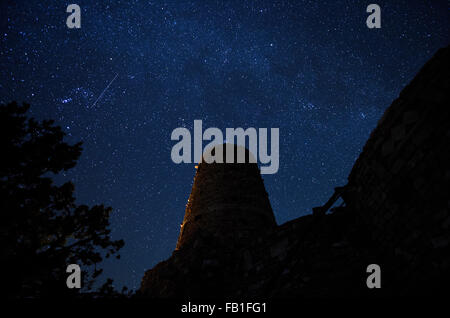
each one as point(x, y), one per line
point(310, 68)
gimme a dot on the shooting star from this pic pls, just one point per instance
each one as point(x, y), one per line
point(101, 95)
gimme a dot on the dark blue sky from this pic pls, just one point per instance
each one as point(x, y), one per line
point(310, 68)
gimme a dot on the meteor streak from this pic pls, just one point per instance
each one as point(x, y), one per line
point(101, 95)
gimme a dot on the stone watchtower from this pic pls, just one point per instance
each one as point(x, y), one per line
point(228, 201)
point(228, 210)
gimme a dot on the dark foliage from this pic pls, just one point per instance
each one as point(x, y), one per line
point(42, 229)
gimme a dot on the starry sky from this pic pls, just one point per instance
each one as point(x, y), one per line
point(136, 70)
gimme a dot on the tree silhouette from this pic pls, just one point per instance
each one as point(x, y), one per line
point(42, 230)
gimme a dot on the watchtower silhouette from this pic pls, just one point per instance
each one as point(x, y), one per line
point(228, 201)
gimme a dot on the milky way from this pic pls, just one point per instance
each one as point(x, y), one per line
point(311, 68)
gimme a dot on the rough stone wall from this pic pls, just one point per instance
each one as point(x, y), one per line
point(396, 215)
point(307, 257)
point(399, 188)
